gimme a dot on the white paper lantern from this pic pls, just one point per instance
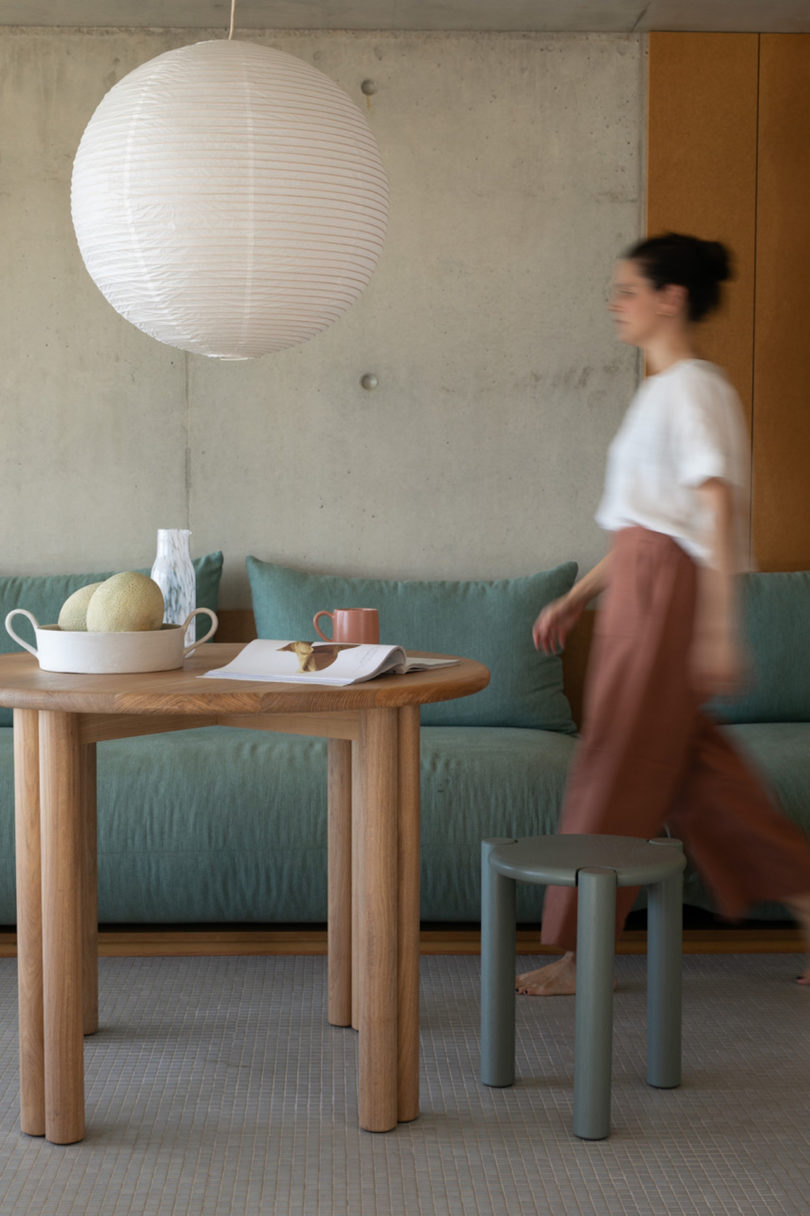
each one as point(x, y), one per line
point(229, 199)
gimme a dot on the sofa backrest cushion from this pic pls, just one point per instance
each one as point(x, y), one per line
point(776, 615)
point(44, 594)
point(486, 620)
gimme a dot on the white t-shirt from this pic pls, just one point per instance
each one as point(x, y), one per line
point(684, 426)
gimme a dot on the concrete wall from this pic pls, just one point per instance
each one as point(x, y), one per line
point(515, 166)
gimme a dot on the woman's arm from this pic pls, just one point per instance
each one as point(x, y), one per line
point(717, 659)
point(558, 618)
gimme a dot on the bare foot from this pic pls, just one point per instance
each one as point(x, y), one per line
point(555, 979)
point(800, 906)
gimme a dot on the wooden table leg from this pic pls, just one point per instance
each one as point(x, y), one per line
point(357, 827)
point(377, 755)
point(29, 921)
point(340, 883)
point(408, 884)
point(90, 881)
point(63, 844)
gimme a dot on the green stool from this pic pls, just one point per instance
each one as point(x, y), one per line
point(596, 865)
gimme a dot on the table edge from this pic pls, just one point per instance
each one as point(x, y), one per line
point(157, 692)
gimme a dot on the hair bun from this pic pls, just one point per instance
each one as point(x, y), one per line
point(717, 259)
point(686, 261)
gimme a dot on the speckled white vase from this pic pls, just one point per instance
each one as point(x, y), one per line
point(173, 572)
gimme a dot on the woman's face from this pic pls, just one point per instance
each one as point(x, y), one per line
point(639, 309)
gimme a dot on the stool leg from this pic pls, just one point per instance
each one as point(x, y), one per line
point(664, 955)
point(497, 972)
point(593, 1039)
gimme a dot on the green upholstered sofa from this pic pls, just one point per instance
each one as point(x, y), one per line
point(223, 826)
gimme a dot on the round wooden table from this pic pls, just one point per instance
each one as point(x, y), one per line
point(373, 779)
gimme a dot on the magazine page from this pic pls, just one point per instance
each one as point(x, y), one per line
point(333, 663)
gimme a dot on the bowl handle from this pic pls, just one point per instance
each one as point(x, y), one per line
point(22, 612)
point(205, 637)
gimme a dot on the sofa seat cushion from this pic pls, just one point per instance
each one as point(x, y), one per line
point(780, 753)
point(221, 825)
point(218, 825)
point(479, 782)
point(212, 825)
point(200, 826)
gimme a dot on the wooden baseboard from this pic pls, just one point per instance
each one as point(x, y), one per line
point(166, 943)
point(634, 941)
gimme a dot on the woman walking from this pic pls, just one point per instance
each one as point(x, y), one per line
point(667, 637)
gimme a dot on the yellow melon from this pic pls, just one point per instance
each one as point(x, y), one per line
point(128, 602)
point(73, 613)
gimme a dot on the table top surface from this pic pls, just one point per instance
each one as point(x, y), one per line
point(23, 685)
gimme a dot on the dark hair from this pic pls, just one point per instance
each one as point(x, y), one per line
point(686, 261)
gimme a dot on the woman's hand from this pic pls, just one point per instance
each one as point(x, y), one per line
point(718, 664)
point(555, 622)
point(558, 618)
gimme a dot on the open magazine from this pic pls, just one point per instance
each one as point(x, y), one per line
point(336, 663)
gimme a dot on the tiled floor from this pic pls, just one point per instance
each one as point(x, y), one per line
point(216, 1086)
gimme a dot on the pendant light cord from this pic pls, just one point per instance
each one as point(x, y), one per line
point(233, 17)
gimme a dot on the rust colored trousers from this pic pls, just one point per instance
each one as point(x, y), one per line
point(649, 756)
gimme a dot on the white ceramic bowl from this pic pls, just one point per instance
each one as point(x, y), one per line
point(104, 653)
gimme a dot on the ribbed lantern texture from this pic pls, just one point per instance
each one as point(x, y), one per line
point(229, 199)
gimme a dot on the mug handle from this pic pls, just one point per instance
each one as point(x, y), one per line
point(22, 612)
point(205, 637)
point(318, 630)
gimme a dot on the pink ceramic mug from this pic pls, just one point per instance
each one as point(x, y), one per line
point(350, 625)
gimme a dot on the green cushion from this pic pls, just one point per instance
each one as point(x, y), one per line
point(223, 825)
point(486, 620)
point(44, 594)
point(777, 628)
point(217, 825)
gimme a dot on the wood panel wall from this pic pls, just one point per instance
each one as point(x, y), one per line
point(702, 170)
point(781, 434)
point(729, 158)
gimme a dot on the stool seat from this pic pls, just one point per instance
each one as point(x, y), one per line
point(596, 866)
point(556, 860)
